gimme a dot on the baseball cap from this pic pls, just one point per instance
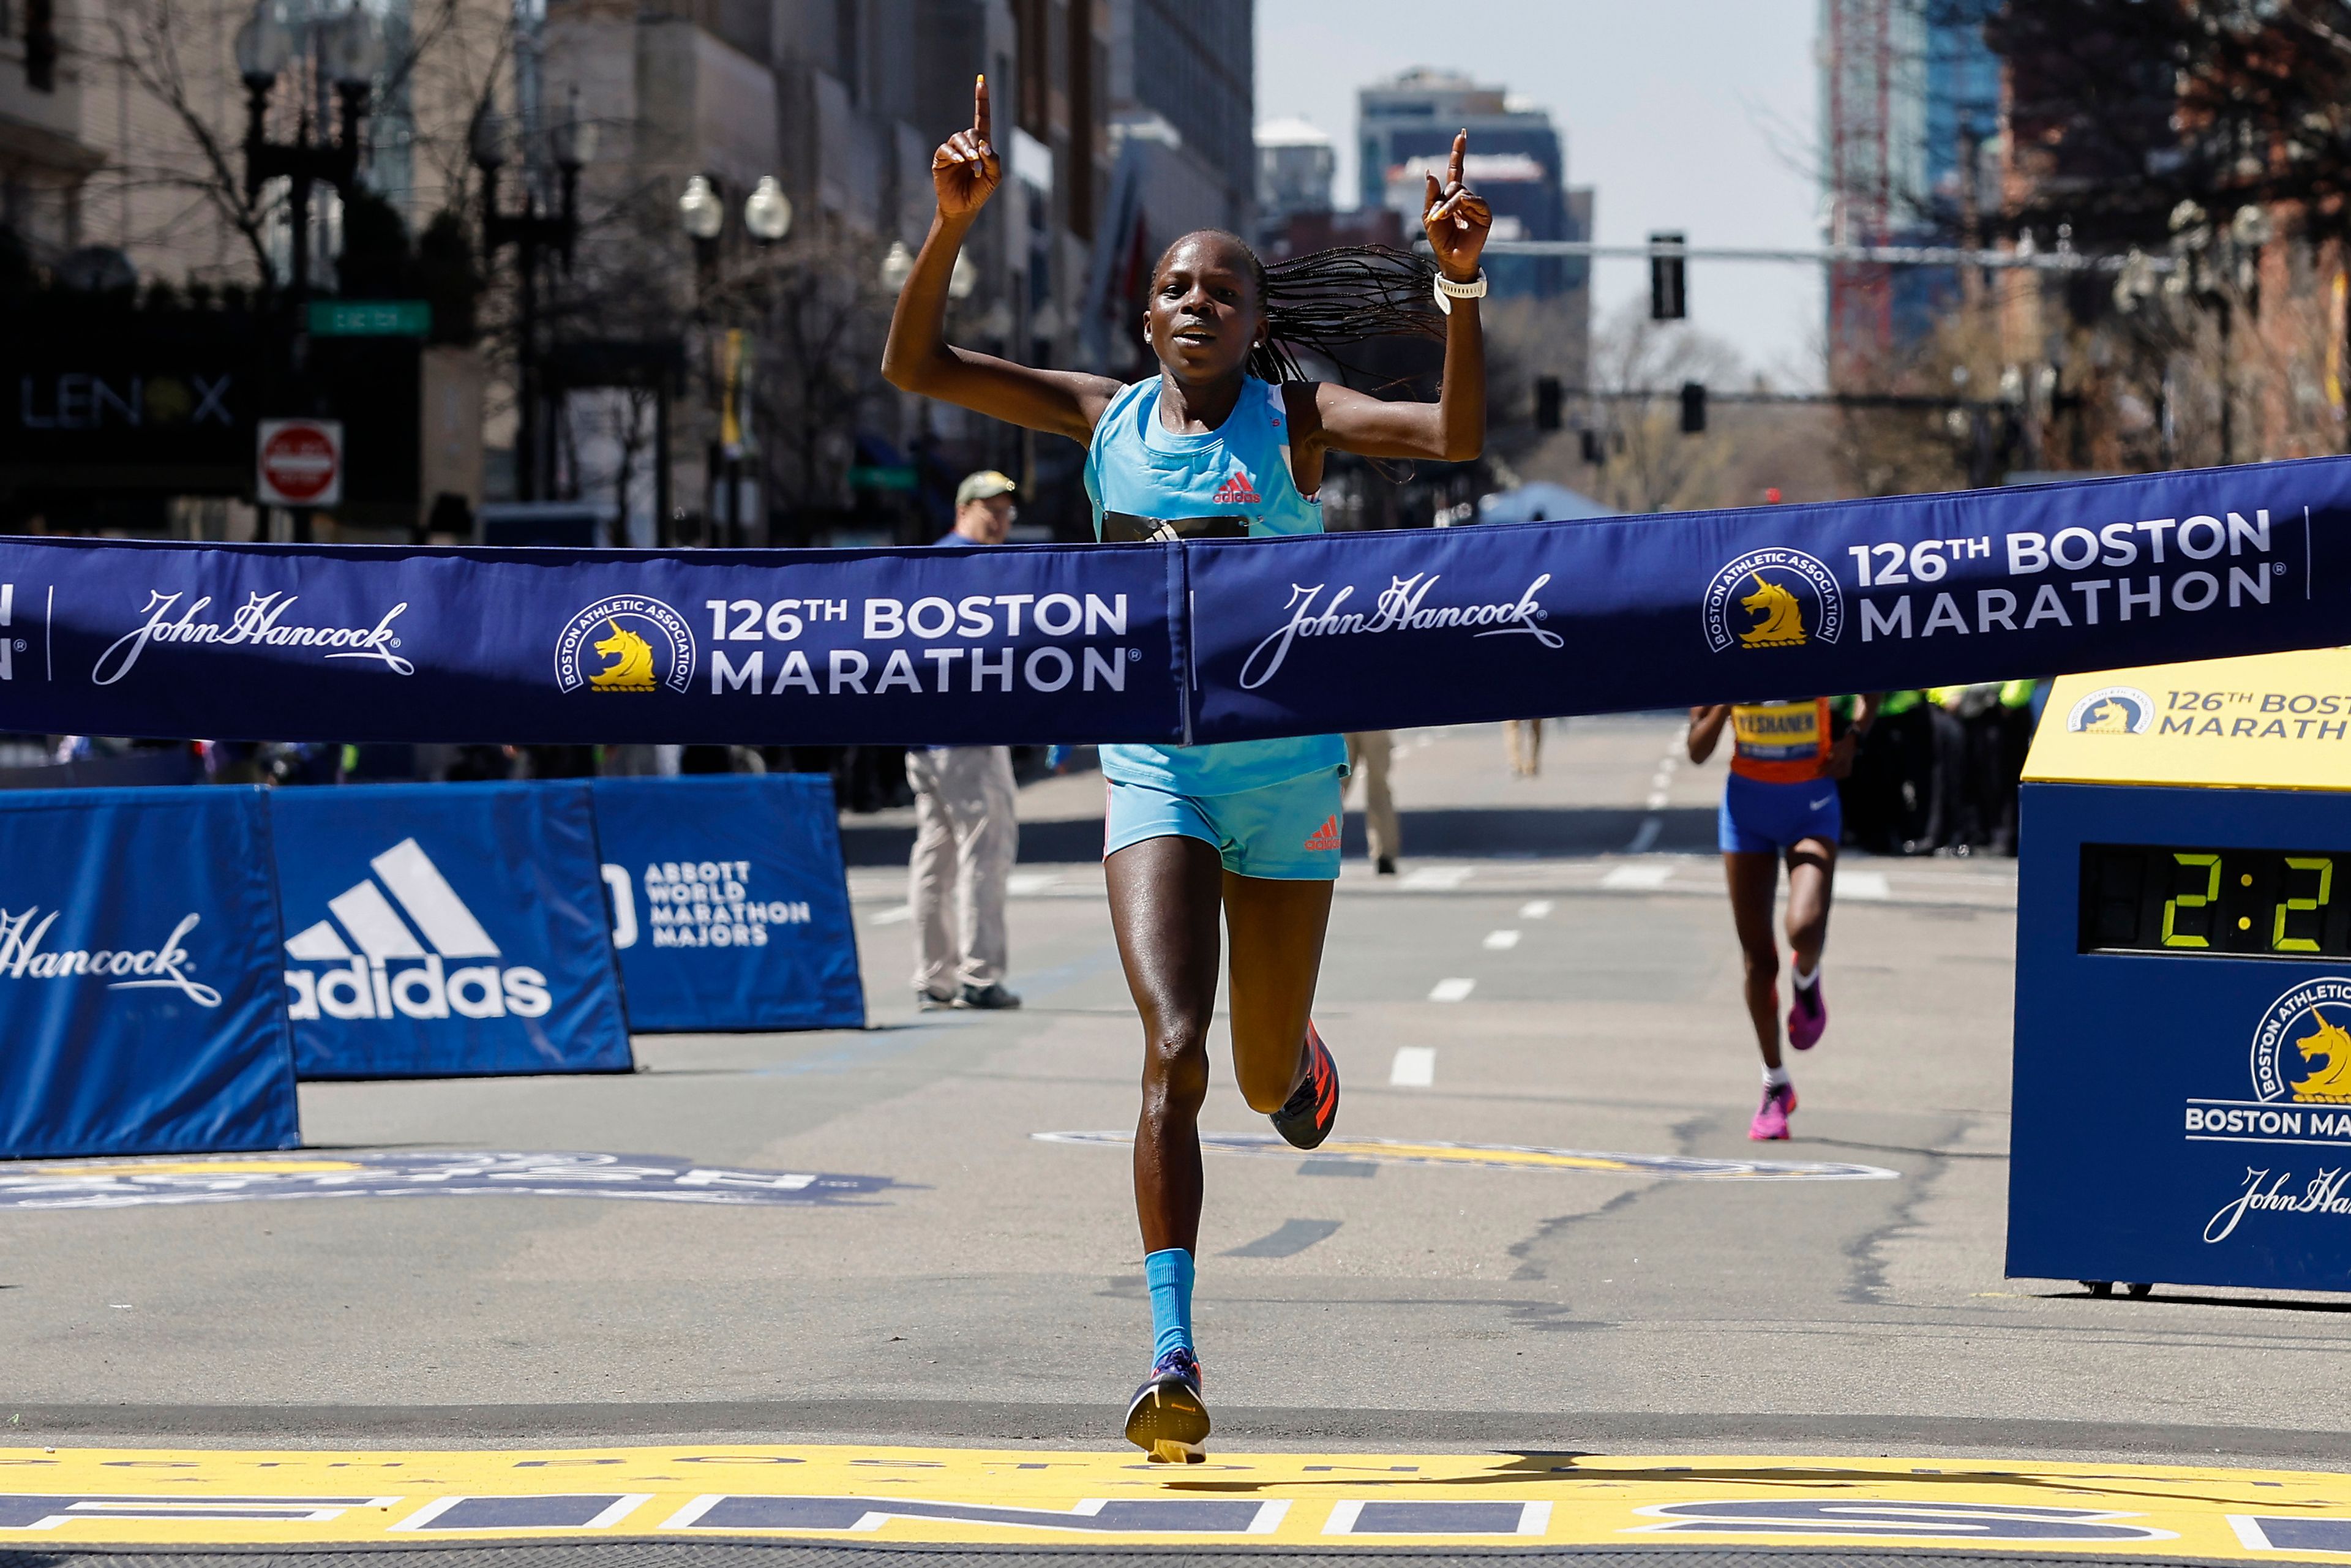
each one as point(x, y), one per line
point(983, 484)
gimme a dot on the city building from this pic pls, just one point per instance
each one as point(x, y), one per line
point(1517, 161)
point(1910, 122)
point(1296, 165)
point(1181, 96)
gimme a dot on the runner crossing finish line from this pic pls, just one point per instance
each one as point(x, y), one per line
point(1215, 643)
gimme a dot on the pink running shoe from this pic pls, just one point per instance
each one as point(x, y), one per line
point(1771, 1123)
point(1808, 1016)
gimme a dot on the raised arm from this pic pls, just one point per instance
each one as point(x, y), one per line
point(965, 172)
point(1706, 728)
point(1453, 428)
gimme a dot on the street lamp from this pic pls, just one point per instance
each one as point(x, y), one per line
point(265, 47)
point(700, 211)
point(898, 265)
point(767, 218)
point(573, 144)
point(767, 212)
point(2220, 263)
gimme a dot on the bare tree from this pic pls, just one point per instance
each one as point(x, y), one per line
point(1638, 367)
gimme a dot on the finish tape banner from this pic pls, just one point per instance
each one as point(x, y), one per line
point(1205, 640)
point(730, 905)
point(372, 644)
point(1377, 630)
point(139, 990)
point(441, 930)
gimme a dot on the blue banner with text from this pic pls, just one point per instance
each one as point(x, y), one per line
point(730, 904)
point(1206, 639)
point(139, 975)
point(441, 930)
point(1533, 619)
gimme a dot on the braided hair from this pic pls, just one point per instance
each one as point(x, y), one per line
point(1328, 300)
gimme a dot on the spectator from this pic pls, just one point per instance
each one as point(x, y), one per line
point(967, 832)
point(1524, 737)
point(1368, 754)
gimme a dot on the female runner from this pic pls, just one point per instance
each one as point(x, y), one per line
point(1781, 803)
point(1248, 830)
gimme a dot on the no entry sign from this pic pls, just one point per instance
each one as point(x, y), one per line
point(301, 463)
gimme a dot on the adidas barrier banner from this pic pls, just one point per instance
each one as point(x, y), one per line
point(140, 1009)
point(440, 930)
point(1369, 632)
point(730, 903)
point(373, 644)
point(1078, 643)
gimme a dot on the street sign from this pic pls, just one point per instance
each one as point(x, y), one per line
point(370, 318)
point(300, 462)
point(898, 477)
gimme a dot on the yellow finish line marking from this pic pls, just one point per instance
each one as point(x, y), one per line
point(160, 1497)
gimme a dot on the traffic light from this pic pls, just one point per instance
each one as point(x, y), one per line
point(1596, 451)
point(1547, 398)
point(1668, 283)
point(1693, 408)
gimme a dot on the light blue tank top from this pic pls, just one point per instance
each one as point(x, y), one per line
point(1147, 482)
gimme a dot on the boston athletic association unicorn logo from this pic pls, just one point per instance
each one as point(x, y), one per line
point(625, 643)
point(1776, 597)
point(632, 666)
point(2112, 710)
point(2326, 1063)
point(1779, 619)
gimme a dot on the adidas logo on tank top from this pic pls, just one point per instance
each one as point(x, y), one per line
point(1236, 491)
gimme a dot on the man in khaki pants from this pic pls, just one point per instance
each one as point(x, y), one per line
point(966, 830)
point(1368, 753)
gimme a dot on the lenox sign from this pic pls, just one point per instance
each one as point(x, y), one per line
point(83, 400)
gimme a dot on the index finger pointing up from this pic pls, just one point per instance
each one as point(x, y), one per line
point(979, 109)
point(1453, 164)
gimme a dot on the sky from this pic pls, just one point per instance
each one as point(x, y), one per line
point(1697, 115)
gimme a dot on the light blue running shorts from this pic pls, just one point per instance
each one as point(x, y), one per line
point(1284, 833)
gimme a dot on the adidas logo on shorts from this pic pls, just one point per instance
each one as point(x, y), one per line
point(1325, 837)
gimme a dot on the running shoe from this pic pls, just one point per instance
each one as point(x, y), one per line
point(1770, 1123)
point(1167, 1420)
point(1307, 1117)
point(1808, 1014)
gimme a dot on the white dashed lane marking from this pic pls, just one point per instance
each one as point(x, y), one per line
point(892, 915)
point(1642, 878)
point(1415, 1067)
point(1437, 878)
point(1869, 887)
point(1535, 909)
point(1501, 941)
point(1455, 989)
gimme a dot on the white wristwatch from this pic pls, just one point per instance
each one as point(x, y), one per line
point(1447, 291)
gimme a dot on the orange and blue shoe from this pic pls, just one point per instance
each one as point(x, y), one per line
point(1307, 1117)
point(1808, 1014)
point(1167, 1420)
point(1771, 1123)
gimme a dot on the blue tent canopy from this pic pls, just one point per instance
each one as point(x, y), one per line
point(1540, 502)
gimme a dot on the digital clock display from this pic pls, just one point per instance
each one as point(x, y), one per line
point(2230, 903)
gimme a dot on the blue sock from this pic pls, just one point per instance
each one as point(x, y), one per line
point(1169, 1275)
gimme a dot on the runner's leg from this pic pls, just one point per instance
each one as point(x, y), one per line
point(1811, 877)
point(1163, 899)
point(1754, 878)
point(1276, 930)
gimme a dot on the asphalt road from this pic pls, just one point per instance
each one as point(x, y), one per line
point(992, 1292)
